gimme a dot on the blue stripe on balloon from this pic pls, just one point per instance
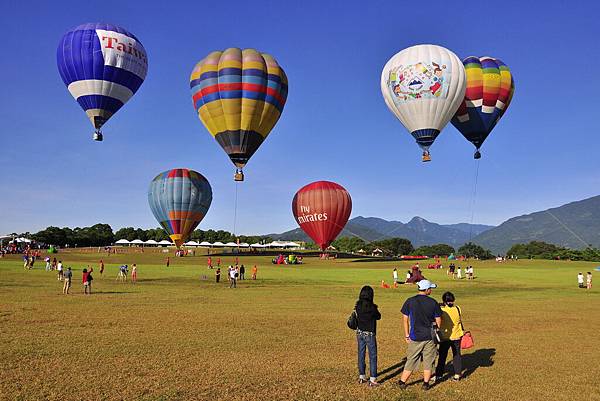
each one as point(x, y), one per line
point(99, 102)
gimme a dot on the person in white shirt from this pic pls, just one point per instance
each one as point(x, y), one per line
point(459, 272)
point(589, 280)
point(232, 277)
point(59, 268)
point(580, 280)
point(395, 274)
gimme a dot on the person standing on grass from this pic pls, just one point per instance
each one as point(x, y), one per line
point(418, 315)
point(580, 280)
point(242, 272)
point(53, 264)
point(168, 261)
point(67, 279)
point(232, 277)
point(218, 262)
point(459, 273)
point(59, 268)
point(134, 273)
point(254, 271)
point(209, 262)
point(395, 275)
point(101, 267)
point(589, 280)
point(47, 260)
point(218, 275)
point(84, 279)
point(451, 331)
point(367, 316)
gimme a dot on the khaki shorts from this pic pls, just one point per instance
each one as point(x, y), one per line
point(415, 350)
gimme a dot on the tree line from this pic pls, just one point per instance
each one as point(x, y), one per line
point(544, 250)
point(103, 235)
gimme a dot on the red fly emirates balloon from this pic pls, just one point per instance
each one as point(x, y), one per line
point(322, 210)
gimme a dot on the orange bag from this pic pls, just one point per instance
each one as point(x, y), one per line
point(466, 341)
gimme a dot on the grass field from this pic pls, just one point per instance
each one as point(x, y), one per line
point(174, 336)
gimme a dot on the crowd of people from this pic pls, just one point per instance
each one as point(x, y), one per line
point(431, 330)
point(457, 272)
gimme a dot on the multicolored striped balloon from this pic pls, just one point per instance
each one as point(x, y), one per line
point(103, 66)
point(179, 199)
point(490, 88)
point(239, 96)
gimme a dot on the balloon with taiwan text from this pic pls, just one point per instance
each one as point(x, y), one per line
point(490, 88)
point(423, 86)
point(239, 96)
point(322, 209)
point(179, 199)
point(103, 66)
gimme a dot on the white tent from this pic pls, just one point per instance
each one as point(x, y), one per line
point(151, 242)
point(21, 240)
point(244, 245)
point(205, 243)
point(122, 242)
point(219, 243)
point(257, 245)
point(231, 245)
point(191, 243)
point(164, 242)
point(292, 245)
point(137, 242)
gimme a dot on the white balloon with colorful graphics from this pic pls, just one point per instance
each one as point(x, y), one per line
point(423, 86)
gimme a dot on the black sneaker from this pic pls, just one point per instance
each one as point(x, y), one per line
point(425, 386)
point(402, 384)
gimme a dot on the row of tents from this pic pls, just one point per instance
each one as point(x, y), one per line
point(217, 244)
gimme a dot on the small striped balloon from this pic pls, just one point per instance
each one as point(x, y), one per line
point(179, 199)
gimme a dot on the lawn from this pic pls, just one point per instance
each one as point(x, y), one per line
point(175, 336)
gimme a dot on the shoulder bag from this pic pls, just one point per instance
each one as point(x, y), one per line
point(352, 322)
point(466, 341)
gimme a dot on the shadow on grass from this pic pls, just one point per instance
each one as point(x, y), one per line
point(482, 358)
point(391, 371)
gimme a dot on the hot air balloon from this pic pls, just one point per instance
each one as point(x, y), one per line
point(490, 88)
point(179, 200)
point(322, 209)
point(239, 96)
point(102, 65)
point(423, 86)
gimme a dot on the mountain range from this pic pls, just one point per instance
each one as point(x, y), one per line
point(418, 230)
point(573, 225)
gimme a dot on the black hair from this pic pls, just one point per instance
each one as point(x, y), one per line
point(84, 270)
point(365, 299)
point(448, 297)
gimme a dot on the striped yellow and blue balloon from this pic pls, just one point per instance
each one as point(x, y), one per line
point(103, 66)
point(490, 88)
point(179, 200)
point(239, 96)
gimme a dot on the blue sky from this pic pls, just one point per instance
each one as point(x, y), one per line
point(335, 125)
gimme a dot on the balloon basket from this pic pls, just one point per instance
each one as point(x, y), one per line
point(477, 155)
point(98, 136)
point(238, 176)
point(426, 157)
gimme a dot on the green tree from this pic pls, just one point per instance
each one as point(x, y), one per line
point(471, 250)
point(434, 250)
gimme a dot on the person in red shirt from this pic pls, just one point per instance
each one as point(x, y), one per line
point(87, 280)
point(218, 262)
point(209, 262)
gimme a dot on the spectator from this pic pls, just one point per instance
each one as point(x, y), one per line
point(420, 312)
point(254, 271)
point(367, 315)
point(451, 331)
point(68, 275)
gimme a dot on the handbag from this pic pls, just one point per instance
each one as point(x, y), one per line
point(466, 341)
point(352, 322)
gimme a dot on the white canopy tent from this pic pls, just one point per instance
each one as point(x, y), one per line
point(165, 242)
point(191, 243)
point(244, 245)
point(122, 242)
point(151, 242)
point(257, 245)
point(21, 240)
point(137, 242)
point(218, 243)
point(205, 243)
point(231, 245)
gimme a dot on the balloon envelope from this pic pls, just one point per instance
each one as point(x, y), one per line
point(490, 88)
point(239, 96)
point(179, 199)
point(423, 86)
point(322, 210)
point(103, 65)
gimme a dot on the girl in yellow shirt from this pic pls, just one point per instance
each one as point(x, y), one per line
point(451, 333)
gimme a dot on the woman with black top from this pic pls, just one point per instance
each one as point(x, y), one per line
point(367, 316)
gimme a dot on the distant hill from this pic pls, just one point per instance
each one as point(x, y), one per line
point(574, 225)
point(418, 230)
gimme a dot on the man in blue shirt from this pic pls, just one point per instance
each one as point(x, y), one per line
point(419, 313)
